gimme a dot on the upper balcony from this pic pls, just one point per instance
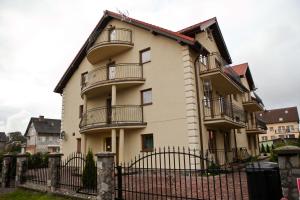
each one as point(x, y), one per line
point(112, 41)
point(105, 118)
point(252, 102)
point(122, 74)
point(219, 113)
point(256, 127)
point(225, 79)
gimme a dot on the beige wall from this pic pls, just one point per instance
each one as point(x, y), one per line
point(275, 134)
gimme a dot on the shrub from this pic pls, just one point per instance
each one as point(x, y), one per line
point(268, 149)
point(89, 175)
point(262, 149)
point(38, 160)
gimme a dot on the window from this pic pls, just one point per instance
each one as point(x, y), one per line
point(78, 145)
point(292, 136)
point(80, 111)
point(113, 35)
point(273, 137)
point(147, 142)
point(145, 56)
point(271, 128)
point(146, 97)
point(84, 79)
point(264, 138)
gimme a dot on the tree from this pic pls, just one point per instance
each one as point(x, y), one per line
point(16, 137)
point(268, 149)
point(89, 175)
point(262, 149)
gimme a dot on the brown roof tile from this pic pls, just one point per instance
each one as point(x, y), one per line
point(281, 115)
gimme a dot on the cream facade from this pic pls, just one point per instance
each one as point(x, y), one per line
point(180, 96)
point(281, 130)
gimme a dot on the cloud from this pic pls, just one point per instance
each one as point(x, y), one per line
point(17, 121)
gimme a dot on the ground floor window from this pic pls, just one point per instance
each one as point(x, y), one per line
point(147, 142)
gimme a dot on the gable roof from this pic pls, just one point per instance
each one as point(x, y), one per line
point(108, 15)
point(216, 31)
point(44, 125)
point(3, 137)
point(289, 114)
point(244, 70)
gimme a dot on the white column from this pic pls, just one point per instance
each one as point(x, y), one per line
point(121, 146)
point(84, 139)
point(113, 95)
point(113, 140)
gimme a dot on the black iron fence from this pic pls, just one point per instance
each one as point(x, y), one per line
point(220, 108)
point(70, 172)
point(176, 173)
point(37, 169)
point(115, 115)
point(115, 72)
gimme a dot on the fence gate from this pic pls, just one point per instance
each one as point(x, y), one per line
point(71, 170)
point(171, 173)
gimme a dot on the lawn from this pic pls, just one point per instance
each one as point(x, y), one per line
point(29, 195)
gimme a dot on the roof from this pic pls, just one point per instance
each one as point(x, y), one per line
point(216, 31)
point(281, 115)
point(44, 125)
point(179, 36)
point(3, 137)
point(244, 70)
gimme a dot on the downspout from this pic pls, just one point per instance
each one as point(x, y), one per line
point(199, 113)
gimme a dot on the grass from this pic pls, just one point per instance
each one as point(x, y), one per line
point(20, 194)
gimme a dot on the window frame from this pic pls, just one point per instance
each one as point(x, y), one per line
point(143, 136)
point(141, 57)
point(81, 110)
point(142, 97)
point(84, 74)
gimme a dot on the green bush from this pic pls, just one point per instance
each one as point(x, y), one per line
point(89, 175)
point(273, 156)
point(38, 160)
point(262, 149)
point(268, 149)
point(213, 169)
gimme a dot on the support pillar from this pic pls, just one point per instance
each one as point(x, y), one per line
point(105, 176)
point(7, 159)
point(113, 140)
point(121, 146)
point(53, 176)
point(21, 167)
point(289, 166)
point(84, 141)
point(113, 95)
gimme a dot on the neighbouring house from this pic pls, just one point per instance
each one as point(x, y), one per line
point(282, 123)
point(134, 86)
point(43, 135)
point(3, 141)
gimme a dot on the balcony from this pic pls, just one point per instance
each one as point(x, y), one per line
point(252, 102)
point(224, 79)
point(112, 41)
point(256, 127)
point(105, 118)
point(219, 113)
point(122, 74)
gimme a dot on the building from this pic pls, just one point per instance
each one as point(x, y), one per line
point(134, 87)
point(281, 123)
point(3, 141)
point(43, 135)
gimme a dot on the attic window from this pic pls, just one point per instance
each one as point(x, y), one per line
point(260, 114)
point(209, 34)
point(52, 123)
point(286, 111)
point(280, 119)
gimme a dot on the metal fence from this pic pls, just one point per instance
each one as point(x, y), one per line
point(36, 170)
point(70, 172)
point(176, 173)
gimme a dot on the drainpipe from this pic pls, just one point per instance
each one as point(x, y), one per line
point(199, 112)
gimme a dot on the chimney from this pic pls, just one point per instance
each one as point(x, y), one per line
point(41, 118)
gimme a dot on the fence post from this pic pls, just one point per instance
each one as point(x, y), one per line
point(289, 165)
point(21, 167)
point(53, 175)
point(105, 175)
point(7, 158)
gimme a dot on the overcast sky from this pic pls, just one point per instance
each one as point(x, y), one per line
point(39, 39)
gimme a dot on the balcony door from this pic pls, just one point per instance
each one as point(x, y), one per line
point(108, 111)
point(111, 71)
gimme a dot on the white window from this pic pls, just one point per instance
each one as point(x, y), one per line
point(113, 35)
point(271, 128)
point(280, 119)
point(145, 55)
point(147, 97)
point(112, 72)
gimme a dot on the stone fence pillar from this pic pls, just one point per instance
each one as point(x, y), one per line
point(21, 167)
point(53, 175)
point(105, 175)
point(289, 165)
point(7, 159)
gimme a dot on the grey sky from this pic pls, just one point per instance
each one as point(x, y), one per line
point(39, 39)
